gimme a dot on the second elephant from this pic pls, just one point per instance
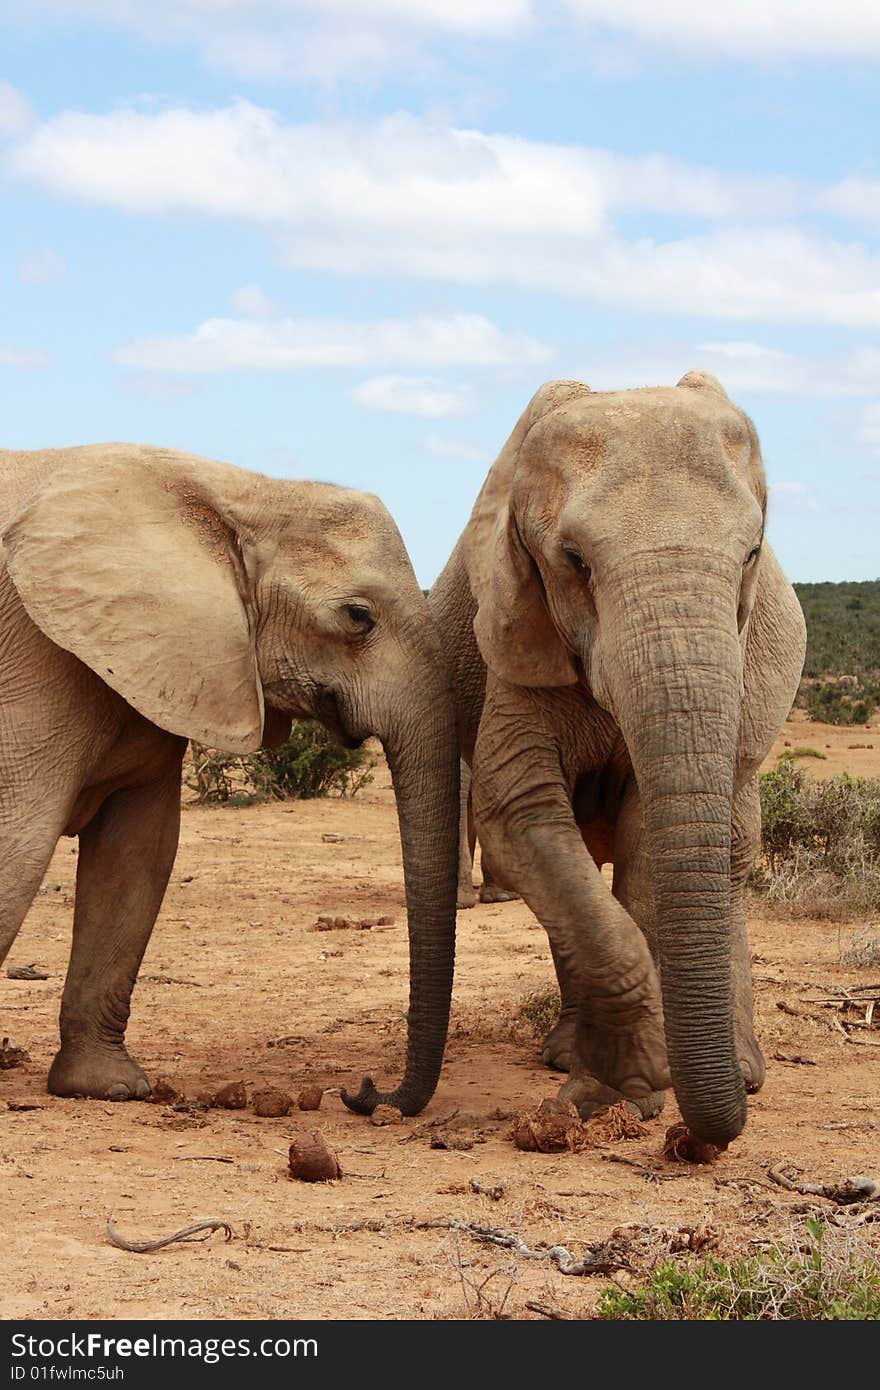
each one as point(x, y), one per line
point(625, 648)
point(148, 597)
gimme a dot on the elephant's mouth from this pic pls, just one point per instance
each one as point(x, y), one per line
point(326, 708)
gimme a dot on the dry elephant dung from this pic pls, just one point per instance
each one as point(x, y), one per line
point(556, 1126)
point(683, 1147)
point(271, 1104)
point(231, 1097)
point(310, 1098)
point(311, 1160)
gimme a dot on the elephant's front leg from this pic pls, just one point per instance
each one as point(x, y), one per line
point(524, 819)
point(125, 858)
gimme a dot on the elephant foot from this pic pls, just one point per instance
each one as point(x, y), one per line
point(491, 893)
point(630, 1059)
point(559, 1042)
point(106, 1073)
point(590, 1096)
point(466, 897)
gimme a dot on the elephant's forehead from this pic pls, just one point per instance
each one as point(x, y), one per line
point(639, 432)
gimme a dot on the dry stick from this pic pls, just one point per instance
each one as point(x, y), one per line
point(856, 1189)
point(140, 1247)
point(200, 1158)
point(555, 1313)
point(652, 1174)
point(564, 1261)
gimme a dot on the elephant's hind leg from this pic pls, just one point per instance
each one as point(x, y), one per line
point(125, 859)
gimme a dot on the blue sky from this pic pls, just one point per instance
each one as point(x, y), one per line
point(347, 239)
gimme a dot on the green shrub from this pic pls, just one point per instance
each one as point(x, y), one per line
point(820, 842)
point(308, 764)
point(820, 1282)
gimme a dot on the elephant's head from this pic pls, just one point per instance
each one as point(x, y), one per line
point(221, 604)
point(617, 542)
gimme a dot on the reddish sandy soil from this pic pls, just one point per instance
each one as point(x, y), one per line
point(236, 985)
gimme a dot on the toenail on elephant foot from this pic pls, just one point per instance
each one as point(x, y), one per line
point(490, 894)
point(590, 1096)
point(120, 1091)
point(102, 1075)
point(557, 1048)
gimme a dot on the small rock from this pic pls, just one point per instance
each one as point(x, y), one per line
point(310, 1098)
point(12, 1056)
point(271, 1103)
point(231, 1097)
point(26, 972)
point(385, 922)
point(311, 1160)
point(331, 839)
point(386, 1115)
point(186, 878)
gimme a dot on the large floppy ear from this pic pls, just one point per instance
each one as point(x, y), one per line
point(131, 560)
point(514, 631)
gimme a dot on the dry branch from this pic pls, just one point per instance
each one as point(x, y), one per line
point(141, 1247)
point(856, 1189)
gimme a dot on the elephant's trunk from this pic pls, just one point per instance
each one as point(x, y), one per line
point(678, 699)
point(422, 753)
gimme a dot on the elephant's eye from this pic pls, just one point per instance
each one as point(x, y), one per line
point(361, 616)
point(577, 562)
point(753, 554)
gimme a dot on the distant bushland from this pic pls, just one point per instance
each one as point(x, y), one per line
point(841, 680)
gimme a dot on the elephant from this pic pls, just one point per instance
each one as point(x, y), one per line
point(624, 649)
point(148, 597)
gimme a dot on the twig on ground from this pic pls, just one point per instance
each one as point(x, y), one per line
point(493, 1193)
point(856, 1189)
point(597, 1260)
point(649, 1174)
point(555, 1313)
point(144, 1246)
point(200, 1158)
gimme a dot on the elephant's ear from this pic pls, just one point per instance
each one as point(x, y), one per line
point(515, 633)
point(130, 560)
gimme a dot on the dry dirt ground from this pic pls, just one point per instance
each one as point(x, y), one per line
point(236, 985)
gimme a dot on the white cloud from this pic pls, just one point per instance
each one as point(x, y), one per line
point(41, 267)
point(464, 449)
point(254, 303)
point(319, 39)
point(158, 387)
point(741, 366)
point(411, 395)
point(793, 496)
point(15, 114)
point(856, 197)
point(460, 340)
point(765, 29)
point(22, 357)
point(403, 197)
point(868, 432)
